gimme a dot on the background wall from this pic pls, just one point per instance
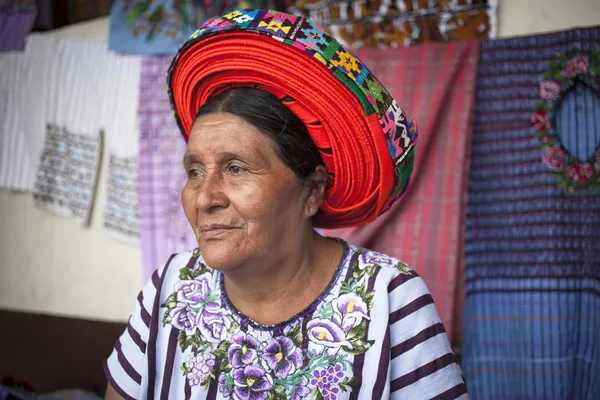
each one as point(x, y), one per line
point(50, 265)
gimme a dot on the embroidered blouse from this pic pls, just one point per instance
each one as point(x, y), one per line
point(374, 333)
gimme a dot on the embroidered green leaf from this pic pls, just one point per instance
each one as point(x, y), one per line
point(166, 319)
point(358, 347)
point(221, 351)
point(212, 298)
point(357, 332)
point(347, 384)
point(325, 312)
point(205, 382)
point(184, 340)
point(317, 394)
point(202, 268)
point(226, 367)
point(185, 274)
point(403, 268)
point(183, 369)
point(347, 286)
point(171, 301)
point(196, 253)
point(278, 393)
point(359, 274)
point(296, 335)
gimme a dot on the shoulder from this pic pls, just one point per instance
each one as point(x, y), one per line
point(387, 267)
point(402, 284)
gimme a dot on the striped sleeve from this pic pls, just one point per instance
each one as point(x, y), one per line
point(422, 363)
point(126, 367)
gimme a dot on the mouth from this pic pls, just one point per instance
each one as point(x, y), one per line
point(215, 231)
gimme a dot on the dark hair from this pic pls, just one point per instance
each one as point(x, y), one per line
point(265, 111)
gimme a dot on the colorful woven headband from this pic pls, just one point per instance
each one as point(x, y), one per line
point(365, 140)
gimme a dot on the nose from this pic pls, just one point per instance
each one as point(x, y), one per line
point(211, 195)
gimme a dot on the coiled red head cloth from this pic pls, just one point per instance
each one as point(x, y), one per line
point(365, 140)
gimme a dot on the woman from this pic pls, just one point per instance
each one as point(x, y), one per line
point(286, 132)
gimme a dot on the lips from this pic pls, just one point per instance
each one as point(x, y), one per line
point(215, 227)
point(215, 231)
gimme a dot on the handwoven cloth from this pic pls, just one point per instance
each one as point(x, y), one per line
point(384, 23)
point(532, 317)
point(365, 140)
point(150, 27)
point(164, 230)
point(425, 228)
point(24, 89)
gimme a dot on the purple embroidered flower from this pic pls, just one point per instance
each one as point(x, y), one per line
point(319, 378)
point(301, 390)
point(213, 323)
point(369, 258)
point(349, 309)
point(243, 350)
point(198, 367)
point(224, 387)
point(251, 383)
point(326, 335)
point(193, 292)
point(282, 356)
point(184, 319)
point(330, 392)
point(334, 374)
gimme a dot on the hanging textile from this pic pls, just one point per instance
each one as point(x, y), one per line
point(16, 19)
point(25, 89)
point(121, 216)
point(436, 82)
point(164, 230)
point(532, 315)
point(71, 158)
point(94, 97)
point(150, 27)
point(400, 23)
point(50, 140)
point(67, 173)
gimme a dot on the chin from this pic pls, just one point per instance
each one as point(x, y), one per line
point(219, 255)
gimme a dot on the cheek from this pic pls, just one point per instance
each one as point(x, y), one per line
point(188, 199)
point(266, 205)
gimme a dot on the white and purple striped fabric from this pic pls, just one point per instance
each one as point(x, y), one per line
point(374, 333)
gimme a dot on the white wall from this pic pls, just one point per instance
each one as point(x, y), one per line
point(49, 264)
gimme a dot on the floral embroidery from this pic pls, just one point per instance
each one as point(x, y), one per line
point(254, 364)
point(563, 74)
point(159, 17)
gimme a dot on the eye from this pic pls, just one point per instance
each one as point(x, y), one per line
point(235, 169)
point(193, 173)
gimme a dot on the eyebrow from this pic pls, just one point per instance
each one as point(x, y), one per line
point(189, 158)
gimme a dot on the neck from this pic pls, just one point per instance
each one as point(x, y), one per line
point(286, 280)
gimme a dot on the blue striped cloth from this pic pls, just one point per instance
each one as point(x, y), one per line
point(532, 316)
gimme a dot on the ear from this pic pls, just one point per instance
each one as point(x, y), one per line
point(316, 186)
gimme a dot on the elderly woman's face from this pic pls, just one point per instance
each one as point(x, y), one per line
point(240, 198)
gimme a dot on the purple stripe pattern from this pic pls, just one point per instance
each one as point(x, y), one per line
point(168, 371)
point(135, 336)
point(411, 308)
point(115, 385)
point(145, 315)
point(155, 326)
point(423, 371)
point(126, 365)
point(419, 338)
